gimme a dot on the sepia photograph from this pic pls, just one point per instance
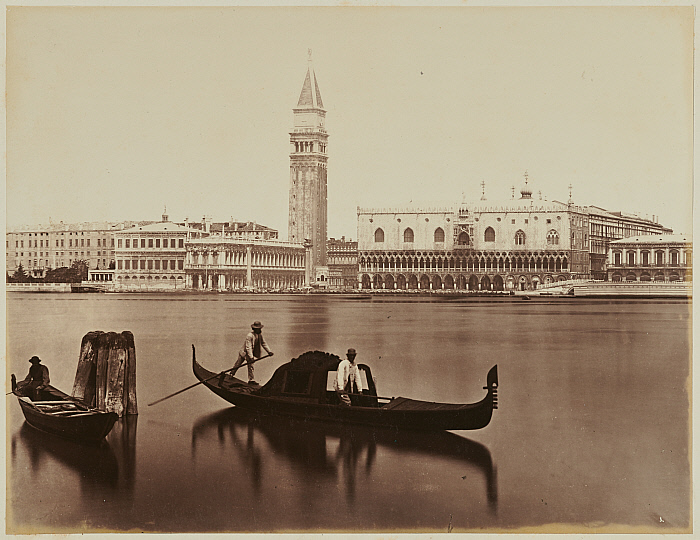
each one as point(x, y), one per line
point(349, 269)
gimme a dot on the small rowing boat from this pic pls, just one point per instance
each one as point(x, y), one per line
point(302, 388)
point(60, 414)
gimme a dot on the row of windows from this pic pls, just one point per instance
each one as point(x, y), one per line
point(60, 243)
point(150, 264)
point(174, 242)
point(463, 238)
point(645, 257)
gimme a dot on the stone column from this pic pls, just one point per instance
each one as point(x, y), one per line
point(249, 266)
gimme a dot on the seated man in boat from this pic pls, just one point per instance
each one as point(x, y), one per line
point(35, 381)
point(348, 379)
point(250, 352)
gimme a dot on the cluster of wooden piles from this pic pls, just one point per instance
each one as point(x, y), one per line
point(106, 374)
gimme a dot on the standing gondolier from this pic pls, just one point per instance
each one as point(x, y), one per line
point(250, 352)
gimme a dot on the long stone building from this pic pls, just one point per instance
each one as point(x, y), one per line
point(515, 244)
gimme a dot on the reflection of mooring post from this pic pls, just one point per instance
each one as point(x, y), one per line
point(307, 270)
point(106, 374)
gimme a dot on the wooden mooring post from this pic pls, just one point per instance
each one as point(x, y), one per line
point(106, 374)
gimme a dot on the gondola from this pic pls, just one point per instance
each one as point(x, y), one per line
point(59, 414)
point(301, 388)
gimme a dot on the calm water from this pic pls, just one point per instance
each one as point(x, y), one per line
point(592, 428)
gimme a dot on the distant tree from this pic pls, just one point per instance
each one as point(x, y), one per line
point(81, 268)
point(60, 275)
point(20, 276)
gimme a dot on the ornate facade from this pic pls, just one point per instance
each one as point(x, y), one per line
point(225, 264)
point(308, 202)
point(494, 246)
point(151, 257)
point(667, 257)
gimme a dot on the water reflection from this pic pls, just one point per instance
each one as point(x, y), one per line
point(324, 451)
point(105, 467)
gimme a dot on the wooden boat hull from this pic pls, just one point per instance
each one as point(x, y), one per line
point(399, 413)
point(82, 424)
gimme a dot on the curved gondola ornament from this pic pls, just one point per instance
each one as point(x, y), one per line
point(299, 389)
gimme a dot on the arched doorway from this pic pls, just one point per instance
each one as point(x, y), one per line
point(378, 282)
point(389, 282)
point(485, 283)
point(412, 282)
point(522, 283)
point(449, 282)
point(462, 283)
point(631, 277)
point(437, 283)
point(425, 282)
point(401, 282)
point(473, 283)
point(366, 282)
point(617, 277)
point(497, 283)
point(535, 282)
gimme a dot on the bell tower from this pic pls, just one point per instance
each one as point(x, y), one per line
point(308, 200)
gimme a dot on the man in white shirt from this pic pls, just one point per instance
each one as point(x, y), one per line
point(348, 379)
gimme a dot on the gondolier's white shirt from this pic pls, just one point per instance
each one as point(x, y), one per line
point(348, 372)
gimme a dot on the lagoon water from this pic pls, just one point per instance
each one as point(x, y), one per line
point(592, 431)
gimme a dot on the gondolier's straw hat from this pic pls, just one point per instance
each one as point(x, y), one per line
point(35, 359)
point(256, 324)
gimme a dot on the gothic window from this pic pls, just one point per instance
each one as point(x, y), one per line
point(379, 235)
point(659, 258)
point(408, 235)
point(520, 238)
point(489, 235)
point(552, 237)
point(439, 235)
point(674, 257)
point(463, 239)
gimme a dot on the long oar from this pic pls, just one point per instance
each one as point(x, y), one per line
point(205, 380)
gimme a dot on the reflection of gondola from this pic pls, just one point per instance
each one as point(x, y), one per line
point(95, 463)
point(306, 444)
point(300, 388)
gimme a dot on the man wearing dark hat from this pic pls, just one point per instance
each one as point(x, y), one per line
point(35, 381)
point(251, 349)
point(348, 379)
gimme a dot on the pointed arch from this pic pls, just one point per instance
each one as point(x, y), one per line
point(520, 238)
point(489, 235)
point(439, 235)
point(379, 235)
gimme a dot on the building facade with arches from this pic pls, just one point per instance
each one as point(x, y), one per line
point(220, 263)
point(660, 258)
point(516, 244)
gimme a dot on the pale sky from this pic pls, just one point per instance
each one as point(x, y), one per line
point(114, 113)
